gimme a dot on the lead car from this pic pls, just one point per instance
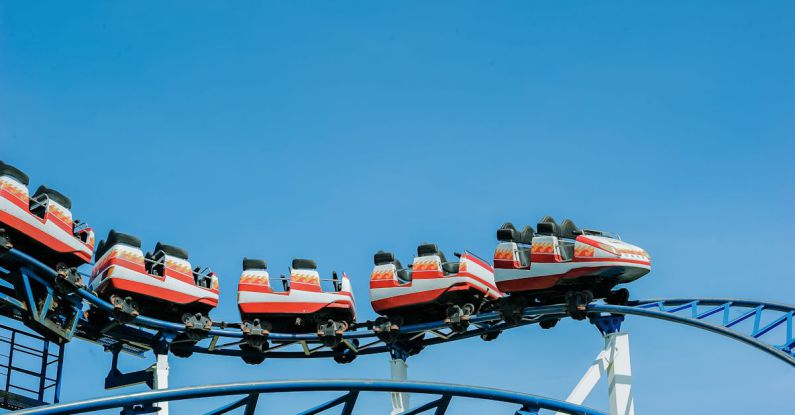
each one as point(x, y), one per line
point(563, 263)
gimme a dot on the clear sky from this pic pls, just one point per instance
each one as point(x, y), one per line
point(332, 130)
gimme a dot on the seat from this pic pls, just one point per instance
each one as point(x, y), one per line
point(250, 263)
point(569, 230)
point(548, 226)
point(450, 268)
point(171, 250)
point(383, 258)
point(53, 195)
point(115, 238)
point(19, 175)
point(299, 263)
point(426, 249)
point(508, 233)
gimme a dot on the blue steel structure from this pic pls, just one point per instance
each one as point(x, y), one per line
point(765, 326)
point(140, 402)
point(30, 369)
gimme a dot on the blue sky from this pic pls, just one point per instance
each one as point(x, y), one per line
point(332, 130)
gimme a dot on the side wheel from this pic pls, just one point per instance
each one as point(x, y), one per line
point(577, 303)
point(490, 335)
point(182, 346)
point(548, 324)
point(618, 297)
point(344, 354)
point(253, 355)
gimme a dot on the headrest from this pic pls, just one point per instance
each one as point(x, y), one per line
point(527, 235)
point(113, 239)
point(427, 250)
point(9, 170)
point(548, 228)
point(54, 195)
point(249, 263)
point(548, 219)
point(508, 233)
point(569, 230)
point(171, 250)
point(383, 258)
point(122, 238)
point(304, 264)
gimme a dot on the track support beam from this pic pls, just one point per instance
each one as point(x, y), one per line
point(613, 361)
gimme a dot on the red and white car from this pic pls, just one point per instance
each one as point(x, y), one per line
point(556, 260)
point(431, 287)
point(300, 305)
point(41, 225)
point(161, 284)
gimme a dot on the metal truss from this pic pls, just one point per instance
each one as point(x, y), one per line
point(248, 395)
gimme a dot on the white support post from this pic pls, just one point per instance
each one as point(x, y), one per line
point(160, 380)
point(619, 375)
point(614, 360)
point(400, 401)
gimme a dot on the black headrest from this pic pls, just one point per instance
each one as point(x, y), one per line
point(54, 195)
point(116, 238)
point(548, 219)
point(527, 235)
point(548, 228)
point(508, 233)
point(569, 230)
point(249, 263)
point(383, 258)
point(171, 250)
point(427, 250)
point(9, 170)
point(304, 264)
point(122, 238)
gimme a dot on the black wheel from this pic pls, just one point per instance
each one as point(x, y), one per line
point(548, 324)
point(252, 355)
point(618, 297)
point(344, 354)
point(490, 335)
point(181, 347)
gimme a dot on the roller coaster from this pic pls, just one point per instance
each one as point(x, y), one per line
point(49, 297)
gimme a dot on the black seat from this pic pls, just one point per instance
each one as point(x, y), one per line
point(171, 250)
point(569, 230)
point(548, 226)
point(19, 175)
point(250, 263)
point(451, 267)
point(426, 249)
point(115, 238)
point(508, 233)
point(53, 195)
point(383, 258)
point(299, 263)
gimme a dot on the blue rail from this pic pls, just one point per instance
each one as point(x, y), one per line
point(248, 394)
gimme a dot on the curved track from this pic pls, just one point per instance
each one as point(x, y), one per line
point(771, 324)
point(526, 404)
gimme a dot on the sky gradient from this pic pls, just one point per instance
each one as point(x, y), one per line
point(333, 130)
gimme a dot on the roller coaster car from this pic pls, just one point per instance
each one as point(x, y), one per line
point(563, 263)
point(433, 289)
point(42, 225)
point(160, 285)
point(302, 306)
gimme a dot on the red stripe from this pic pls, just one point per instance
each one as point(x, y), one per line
point(112, 284)
point(422, 297)
point(265, 307)
point(478, 261)
point(42, 237)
